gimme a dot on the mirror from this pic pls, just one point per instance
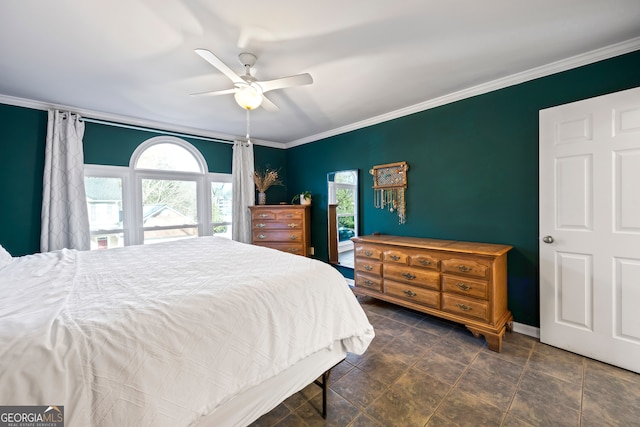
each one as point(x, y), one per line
point(343, 215)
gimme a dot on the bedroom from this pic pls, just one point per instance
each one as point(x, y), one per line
point(450, 196)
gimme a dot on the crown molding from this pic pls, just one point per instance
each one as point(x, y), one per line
point(134, 123)
point(514, 79)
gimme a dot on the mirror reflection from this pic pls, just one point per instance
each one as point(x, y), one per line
point(343, 215)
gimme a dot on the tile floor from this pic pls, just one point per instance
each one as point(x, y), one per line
point(422, 371)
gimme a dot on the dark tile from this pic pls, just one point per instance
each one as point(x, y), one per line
point(456, 350)
point(410, 401)
point(438, 421)
point(512, 421)
point(380, 341)
point(465, 410)
point(388, 326)
point(489, 362)
point(292, 420)
point(277, 414)
point(611, 394)
point(564, 393)
point(339, 411)
point(358, 387)
point(383, 367)
point(558, 363)
point(408, 317)
point(441, 367)
point(520, 340)
point(542, 409)
point(364, 421)
point(411, 345)
point(435, 326)
point(294, 401)
point(511, 353)
point(494, 388)
point(340, 370)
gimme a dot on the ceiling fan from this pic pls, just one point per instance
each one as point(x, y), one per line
point(248, 91)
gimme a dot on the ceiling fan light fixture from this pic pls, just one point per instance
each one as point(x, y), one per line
point(248, 96)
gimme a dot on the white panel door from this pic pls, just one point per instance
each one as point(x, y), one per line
point(590, 228)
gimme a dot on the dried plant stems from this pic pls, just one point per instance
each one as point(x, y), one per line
point(266, 179)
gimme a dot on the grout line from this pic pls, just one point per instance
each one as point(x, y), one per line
point(515, 392)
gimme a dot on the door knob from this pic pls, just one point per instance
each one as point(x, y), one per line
point(547, 239)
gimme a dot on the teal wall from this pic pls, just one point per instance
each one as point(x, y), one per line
point(22, 142)
point(23, 134)
point(473, 169)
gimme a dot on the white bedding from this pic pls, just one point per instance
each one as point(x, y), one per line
point(161, 335)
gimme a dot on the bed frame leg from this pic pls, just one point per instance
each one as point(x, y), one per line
point(324, 385)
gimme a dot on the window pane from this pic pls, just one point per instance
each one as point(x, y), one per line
point(346, 200)
point(157, 236)
point(107, 240)
point(168, 156)
point(346, 177)
point(221, 208)
point(168, 202)
point(104, 203)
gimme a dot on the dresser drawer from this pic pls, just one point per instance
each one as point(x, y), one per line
point(277, 236)
point(413, 293)
point(367, 251)
point(369, 282)
point(466, 267)
point(292, 248)
point(289, 215)
point(465, 306)
point(424, 261)
point(368, 266)
point(263, 215)
point(277, 225)
point(413, 276)
point(396, 256)
point(465, 286)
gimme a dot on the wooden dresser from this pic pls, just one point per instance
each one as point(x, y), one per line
point(460, 281)
point(283, 227)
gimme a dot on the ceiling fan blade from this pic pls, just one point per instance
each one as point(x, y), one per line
point(268, 105)
point(216, 62)
point(215, 92)
point(297, 80)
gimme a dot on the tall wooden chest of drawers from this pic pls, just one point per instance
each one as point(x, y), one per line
point(283, 227)
point(463, 282)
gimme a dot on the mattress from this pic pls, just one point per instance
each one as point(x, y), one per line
point(165, 334)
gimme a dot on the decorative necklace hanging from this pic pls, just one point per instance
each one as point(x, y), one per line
point(389, 183)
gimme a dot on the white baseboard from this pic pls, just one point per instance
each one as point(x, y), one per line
point(531, 331)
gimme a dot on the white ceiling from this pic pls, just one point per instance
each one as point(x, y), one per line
point(370, 59)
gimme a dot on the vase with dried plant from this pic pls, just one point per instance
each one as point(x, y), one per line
point(264, 180)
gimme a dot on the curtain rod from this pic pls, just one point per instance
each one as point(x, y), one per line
point(145, 129)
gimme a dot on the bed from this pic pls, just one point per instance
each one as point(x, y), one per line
point(197, 332)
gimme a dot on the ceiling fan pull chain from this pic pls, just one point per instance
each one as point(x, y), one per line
point(248, 127)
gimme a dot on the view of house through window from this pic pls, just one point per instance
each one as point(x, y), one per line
point(164, 195)
point(104, 204)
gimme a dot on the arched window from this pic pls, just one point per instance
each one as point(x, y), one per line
point(170, 186)
point(165, 194)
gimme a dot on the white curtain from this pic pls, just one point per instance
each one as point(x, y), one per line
point(244, 194)
point(65, 222)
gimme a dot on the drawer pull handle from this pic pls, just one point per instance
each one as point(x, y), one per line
point(368, 282)
point(293, 237)
point(463, 286)
point(260, 225)
point(408, 276)
point(424, 262)
point(464, 268)
point(409, 293)
point(261, 236)
point(368, 253)
point(263, 215)
point(294, 250)
point(289, 215)
point(292, 225)
point(394, 257)
point(463, 307)
point(368, 267)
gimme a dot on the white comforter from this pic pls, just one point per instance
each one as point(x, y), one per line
point(161, 335)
